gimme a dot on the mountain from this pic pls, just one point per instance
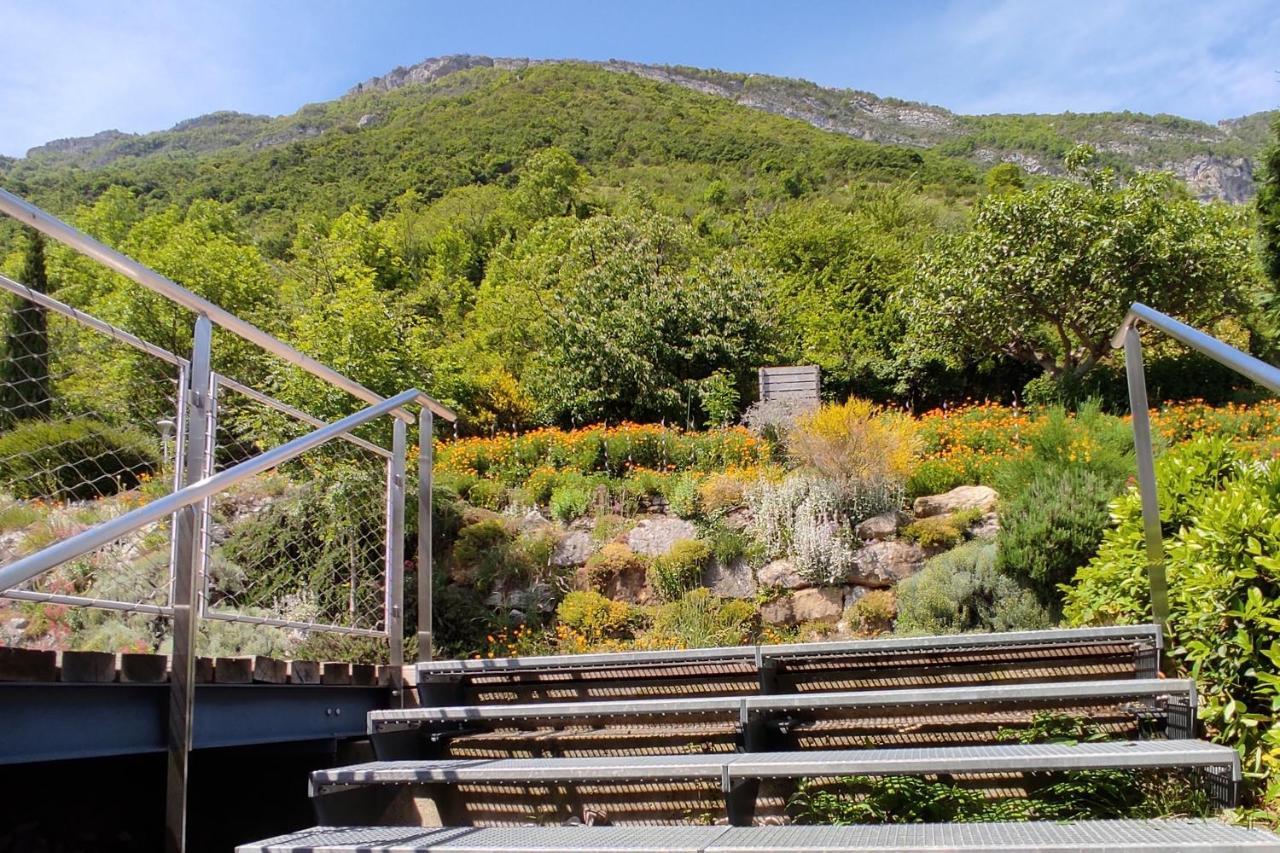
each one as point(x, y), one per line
point(1216, 161)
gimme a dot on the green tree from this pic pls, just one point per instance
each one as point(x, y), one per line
point(1004, 178)
point(1045, 276)
point(24, 372)
point(1269, 206)
point(636, 319)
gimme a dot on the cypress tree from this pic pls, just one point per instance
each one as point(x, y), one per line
point(1269, 207)
point(24, 371)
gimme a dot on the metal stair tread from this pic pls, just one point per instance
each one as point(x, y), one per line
point(784, 652)
point(914, 697)
point(727, 767)
point(1130, 836)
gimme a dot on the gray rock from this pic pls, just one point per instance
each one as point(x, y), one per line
point(820, 604)
point(781, 573)
point(366, 120)
point(573, 549)
point(883, 526)
point(731, 581)
point(961, 497)
point(882, 564)
point(852, 594)
point(533, 519)
point(655, 536)
point(987, 527)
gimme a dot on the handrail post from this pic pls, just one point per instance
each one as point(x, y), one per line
point(185, 617)
point(394, 575)
point(1134, 372)
point(426, 430)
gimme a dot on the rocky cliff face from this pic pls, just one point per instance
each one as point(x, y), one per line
point(1215, 161)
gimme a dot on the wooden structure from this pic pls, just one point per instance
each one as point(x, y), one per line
point(794, 384)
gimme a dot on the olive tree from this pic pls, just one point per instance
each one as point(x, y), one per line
point(1046, 275)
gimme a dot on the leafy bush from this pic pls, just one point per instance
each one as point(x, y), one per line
point(699, 619)
point(728, 545)
point(777, 506)
point(810, 520)
point(611, 562)
point(873, 613)
point(962, 590)
point(1218, 509)
point(1053, 527)
point(484, 553)
point(488, 494)
point(73, 460)
point(854, 444)
point(460, 619)
point(682, 496)
point(720, 493)
point(595, 616)
point(540, 484)
point(1089, 440)
point(570, 502)
point(673, 574)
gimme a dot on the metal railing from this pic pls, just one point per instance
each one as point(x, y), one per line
point(192, 531)
point(1241, 362)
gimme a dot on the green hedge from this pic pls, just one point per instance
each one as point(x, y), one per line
point(74, 460)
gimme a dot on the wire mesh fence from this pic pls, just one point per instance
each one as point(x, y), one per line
point(89, 429)
point(303, 545)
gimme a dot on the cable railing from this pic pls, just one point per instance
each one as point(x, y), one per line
point(165, 498)
point(1128, 338)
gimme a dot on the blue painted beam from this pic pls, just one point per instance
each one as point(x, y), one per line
point(50, 722)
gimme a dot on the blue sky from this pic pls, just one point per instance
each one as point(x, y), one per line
point(74, 67)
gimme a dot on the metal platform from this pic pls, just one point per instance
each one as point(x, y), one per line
point(728, 768)
point(1146, 634)
point(743, 707)
point(1113, 836)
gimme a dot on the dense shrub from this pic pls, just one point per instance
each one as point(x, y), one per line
point(594, 616)
point(699, 619)
point(1053, 527)
point(962, 590)
point(1219, 511)
point(487, 494)
point(720, 493)
point(682, 496)
point(855, 444)
point(569, 502)
point(873, 613)
point(1087, 441)
point(612, 562)
point(679, 570)
point(810, 520)
point(460, 619)
point(73, 460)
point(941, 531)
point(484, 553)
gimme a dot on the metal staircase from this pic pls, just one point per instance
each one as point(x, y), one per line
point(515, 754)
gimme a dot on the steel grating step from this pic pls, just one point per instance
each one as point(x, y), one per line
point(727, 768)
point(742, 707)
point(798, 652)
point(1112, 836)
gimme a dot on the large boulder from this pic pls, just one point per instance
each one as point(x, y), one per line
point(573, 549)
point(961, 497)
point(883, 526)
point(885, 563)
point(819, 604)
point(655, 536)
point(781, 573)
point(732, 580)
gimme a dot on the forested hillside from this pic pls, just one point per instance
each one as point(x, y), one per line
point(560, 243)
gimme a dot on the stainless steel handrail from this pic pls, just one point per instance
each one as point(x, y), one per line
point(1127, 337)
point(51, 226)
point(1241, 362)
point(35, 564)
point(51, 304)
